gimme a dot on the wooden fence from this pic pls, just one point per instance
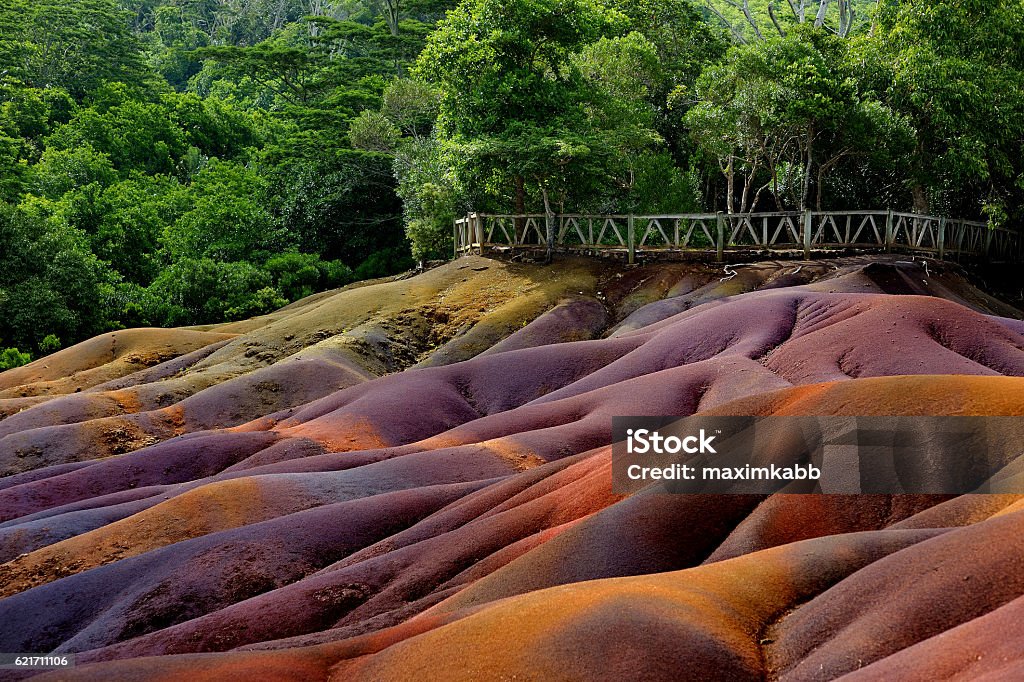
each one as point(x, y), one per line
point(720, 233)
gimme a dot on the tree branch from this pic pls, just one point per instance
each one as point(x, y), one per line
point(745, 9)
point(822, 12)
point(778, 26)
point(874, 18)
point(851, 15)
point(736, 34)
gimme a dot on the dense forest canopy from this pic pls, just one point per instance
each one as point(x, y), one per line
point(175, 162)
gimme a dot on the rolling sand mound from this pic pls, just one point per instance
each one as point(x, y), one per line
point(411, 479)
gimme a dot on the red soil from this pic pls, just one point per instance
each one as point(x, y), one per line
point(411, 480)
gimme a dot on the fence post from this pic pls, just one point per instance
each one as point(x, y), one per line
point(455, 237)
point(807, 234)
point(942, 237)
point(631, 238)
point(721, 237)
point(888, 231)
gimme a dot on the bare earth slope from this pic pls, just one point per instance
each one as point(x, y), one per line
point(410, 480)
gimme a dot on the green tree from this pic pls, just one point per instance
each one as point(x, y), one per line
point(61, 171)
point(196, 290)
point(518, 115)
point(50, 282)
point(685, 44)
point(341, 206)
point(226, 220)
point(133, 134)
point(71, 45)
point(27, 116)
point(49, 344)
point(767, 19)
point(957, 70)
point(784, 113)
point(372, 131)
point(431, 197)
point(297, 275)
point(133, 216)
point(12, 357)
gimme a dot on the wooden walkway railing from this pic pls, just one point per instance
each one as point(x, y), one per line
point(720, 233)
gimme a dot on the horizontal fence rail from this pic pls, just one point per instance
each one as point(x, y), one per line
point(720, 233)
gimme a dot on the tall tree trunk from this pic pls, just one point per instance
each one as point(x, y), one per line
point(921, 204)
point(520, 204)
point(748, 184)
point(775, 187)
point(775, 20)
point(817, 189)
point(549, 222)
point(799, 11)
point(391, 9)
point(730, 183)
point(750, 19)
point(846, 16)
point(809, 154)
point(822, 13)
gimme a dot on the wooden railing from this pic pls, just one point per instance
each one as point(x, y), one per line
point(720, 233)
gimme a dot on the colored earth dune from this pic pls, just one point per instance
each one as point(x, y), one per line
point(411, 480)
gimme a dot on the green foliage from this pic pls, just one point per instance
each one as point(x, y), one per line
point(71, 45)
point(49, 280)
point(225, 220)
point(730, 14)
point(957, 70)
point(343, 207)
point(384, 263)
point(12, 357)
point(524, 110)
point(789, 106)
point(685, 44)
point(175, 34)
point(27, 115)
point(134, 215)
point(500, 64)
point(204, 290)
point(411, 106)
point(155, 137)
point(183, 162)
point(133, 134)
point(49, 344)
point(298, 275)
point(373, 132)
point(61, 171)
point(431, 198)
point(661, 187)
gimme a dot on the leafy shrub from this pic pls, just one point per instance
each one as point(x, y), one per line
point(373, 132)
point(204, 290)
point(12, 357)
point(384, 263)
point(430, 237)
point(49, 344)
point(297, 275)
point(50, 282)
